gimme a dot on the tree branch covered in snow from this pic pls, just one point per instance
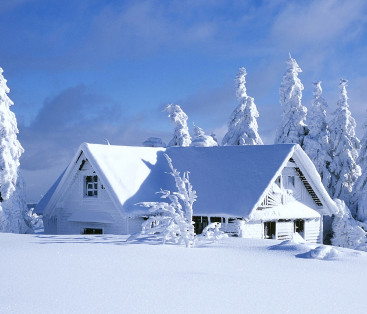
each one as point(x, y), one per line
point(292, 128)
point(13, 210)
point(181, 136)
point(173, 221)
point(242, 125)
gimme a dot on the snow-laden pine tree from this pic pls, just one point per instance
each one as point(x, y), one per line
point(359, 196)
point(172, 221)
point(292, 128)
point(344, 146)
point(200, 139)
point(316, 142)
point(13, 210)
point(242, 125)
point(181, 136)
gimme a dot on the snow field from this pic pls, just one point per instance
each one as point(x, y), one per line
point(80, 274)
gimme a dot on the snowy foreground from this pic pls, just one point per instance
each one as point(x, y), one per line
point(91, 274)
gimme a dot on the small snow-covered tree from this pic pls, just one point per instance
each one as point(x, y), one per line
point(13, 210)
point(173, 221)
point(316, 142)
point(359, 196)
point(292, 128)
point(344, 146)
point(200, 139)
point(242, 126)
point(181, 136)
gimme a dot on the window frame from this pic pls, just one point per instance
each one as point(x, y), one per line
point(90, 189)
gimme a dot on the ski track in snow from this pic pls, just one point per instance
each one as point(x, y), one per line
point(90, 274)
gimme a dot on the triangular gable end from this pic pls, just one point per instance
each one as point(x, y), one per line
point(307, 169)
point(71, 173)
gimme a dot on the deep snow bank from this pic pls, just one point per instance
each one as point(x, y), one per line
point(83, 274)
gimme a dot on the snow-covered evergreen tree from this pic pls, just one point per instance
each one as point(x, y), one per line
point(173, 221)
point(359, 197)
point(344, 146)
point(13, 210)
point(316, 142)
point(242, 125)
point(200, 139)
point(292, 128)
point(181, 136)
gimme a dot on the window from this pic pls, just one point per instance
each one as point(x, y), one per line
point(299, 226)
point(200, 222)
point(269, 230)
point(91, 186)
point(92, 231)
point(215, 219)
point(290, 181)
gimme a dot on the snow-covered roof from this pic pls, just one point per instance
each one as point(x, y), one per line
point(291, 210)
point(229, 180)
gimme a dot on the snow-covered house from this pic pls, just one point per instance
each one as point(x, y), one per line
point(257, 191)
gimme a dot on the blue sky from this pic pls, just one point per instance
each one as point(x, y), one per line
point(89, 70)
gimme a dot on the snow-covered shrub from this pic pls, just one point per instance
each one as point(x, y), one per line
point(242, 125)
point(173, 221)
point(344, 146)
point(33, 221)
point(154, 142)
point(181, 136)
point(212, 232)
point(13, 209)
point(200, 139)
point(292, 128)
point(347, 232)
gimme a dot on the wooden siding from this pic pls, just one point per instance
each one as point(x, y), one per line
point(285, 230)
point(313, 231)
point(252, 230)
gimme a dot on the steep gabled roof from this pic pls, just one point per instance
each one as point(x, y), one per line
point(229, 180)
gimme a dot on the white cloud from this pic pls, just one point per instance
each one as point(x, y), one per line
point(319, 22)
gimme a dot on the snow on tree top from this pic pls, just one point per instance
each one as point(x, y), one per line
point(229, 180)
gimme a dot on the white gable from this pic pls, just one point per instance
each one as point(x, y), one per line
point(229, 180)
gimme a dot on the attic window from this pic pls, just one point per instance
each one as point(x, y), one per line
point(290, 181)
point(91, 186)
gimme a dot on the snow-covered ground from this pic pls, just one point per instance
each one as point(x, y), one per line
point(105, 274)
